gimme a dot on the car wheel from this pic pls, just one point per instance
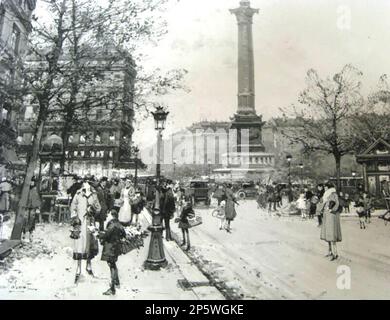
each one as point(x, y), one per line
point(241, 195)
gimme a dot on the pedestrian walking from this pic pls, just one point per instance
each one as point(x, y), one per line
point(138, 204)
point(179, 198)
point(309, 206)
point(368, 206)
point(84, 207)
point(331, 228)
point(32, 208)
point(359, 204)
point(111, 241)
point(167, 209)
point(105, 201)
point(127, 194)
point(186, 213)
point(301, 205)
point(5, 191)
point(230, 210)
point(76, 186)
point(319, 194)
point(347, 203)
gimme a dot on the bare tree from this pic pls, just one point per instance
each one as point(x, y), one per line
point(373, 121)
point(60, 78)
point(327, 105)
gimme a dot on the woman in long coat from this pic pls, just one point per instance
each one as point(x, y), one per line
point(230, 210)
point(84, 206)
point(331, 228)
point(33, 204)
point(5, 190)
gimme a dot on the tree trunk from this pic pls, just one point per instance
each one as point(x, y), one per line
point(64, 137)
point(337, 159)
point(32, 164)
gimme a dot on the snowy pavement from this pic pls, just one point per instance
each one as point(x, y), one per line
point(46, 270)
point(283, 258)
point(263, 258)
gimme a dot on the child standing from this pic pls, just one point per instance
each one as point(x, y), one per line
point(301, 205)
point(367, 202)
point(347, 203)
point(361, 212)
point(111, 241)
point(187, 212)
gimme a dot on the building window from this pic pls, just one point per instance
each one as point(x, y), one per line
point(98, 139)
point(75, 153)
point(112, 137)
point(70, 139)
point(82, 138)
point(82, 153)
point(110, 154)
point(15, 39)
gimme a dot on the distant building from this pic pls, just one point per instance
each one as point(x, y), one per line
point(15, 26)
point(101, 144)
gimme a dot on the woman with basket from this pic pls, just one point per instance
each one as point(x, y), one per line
point(84, 206)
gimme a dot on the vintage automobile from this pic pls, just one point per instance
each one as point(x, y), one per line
point(247, 190)
point(198, 190)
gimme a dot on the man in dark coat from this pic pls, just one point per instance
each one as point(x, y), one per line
point(105, 200)
point(111, 241)
point(167, 209)
point(77, 184)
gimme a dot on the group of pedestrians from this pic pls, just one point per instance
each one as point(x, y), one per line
point(96, 202)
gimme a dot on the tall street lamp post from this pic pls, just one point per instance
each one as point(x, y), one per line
point(174, 168)
point(301, 167)
point(156, 257)
point(289, 158)
point(136, 152)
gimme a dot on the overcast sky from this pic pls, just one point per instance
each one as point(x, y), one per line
point(290, 37)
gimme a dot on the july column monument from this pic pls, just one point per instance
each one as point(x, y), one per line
point(246, 117)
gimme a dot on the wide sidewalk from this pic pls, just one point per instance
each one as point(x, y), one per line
point(45, 270)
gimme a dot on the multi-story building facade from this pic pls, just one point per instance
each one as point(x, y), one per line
point(101, 142)
point(15, 26)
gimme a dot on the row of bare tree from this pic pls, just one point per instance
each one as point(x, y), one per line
point(333, 117)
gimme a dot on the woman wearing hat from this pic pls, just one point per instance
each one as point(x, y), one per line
point(230, 210)
point(84, 206)
point(331, 228)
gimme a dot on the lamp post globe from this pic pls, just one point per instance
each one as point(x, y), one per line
point(156, 256)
